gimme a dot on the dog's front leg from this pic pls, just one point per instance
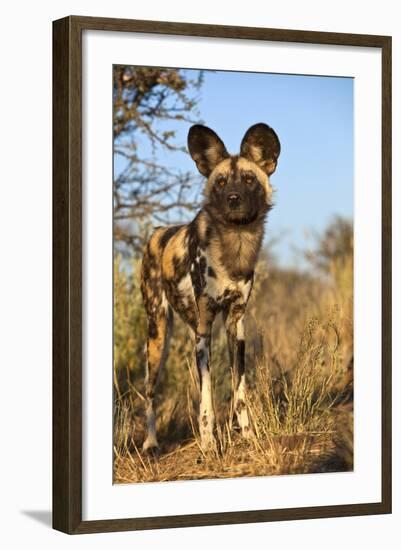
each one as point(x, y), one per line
point(236, 344)
point(206, 410)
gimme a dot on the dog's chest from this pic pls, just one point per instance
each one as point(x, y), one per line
point(210, 277)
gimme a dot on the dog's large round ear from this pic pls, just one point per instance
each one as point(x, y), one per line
point(206, 148)
point(261, 145)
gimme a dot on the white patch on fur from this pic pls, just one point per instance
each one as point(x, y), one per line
point(242, 415)
point(186, 290)
point(216, 286)
point(246, 289)
point(164, 303)
point(206, 411)
point(240, 329)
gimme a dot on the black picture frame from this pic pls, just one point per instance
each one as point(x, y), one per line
point(67, 273)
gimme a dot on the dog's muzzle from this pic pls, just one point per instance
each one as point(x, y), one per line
point(234, 200)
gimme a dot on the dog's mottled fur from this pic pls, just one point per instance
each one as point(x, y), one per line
point(207, 266)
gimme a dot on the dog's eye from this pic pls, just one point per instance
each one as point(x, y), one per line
point(221, 180)
point(249, 179)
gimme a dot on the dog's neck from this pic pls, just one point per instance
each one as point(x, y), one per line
point(238, 245)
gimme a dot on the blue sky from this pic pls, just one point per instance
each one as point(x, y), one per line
point(313, 117)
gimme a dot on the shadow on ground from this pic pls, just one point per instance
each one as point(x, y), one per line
point(41, 516)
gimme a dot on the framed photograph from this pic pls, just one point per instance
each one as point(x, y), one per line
point(221, 274)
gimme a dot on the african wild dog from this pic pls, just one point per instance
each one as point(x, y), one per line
point(207, 266)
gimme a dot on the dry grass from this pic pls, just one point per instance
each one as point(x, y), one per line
point(299, 369)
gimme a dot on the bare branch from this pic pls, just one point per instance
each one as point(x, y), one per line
point(146, 100)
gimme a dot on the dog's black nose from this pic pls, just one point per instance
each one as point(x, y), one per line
point(233, 200)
